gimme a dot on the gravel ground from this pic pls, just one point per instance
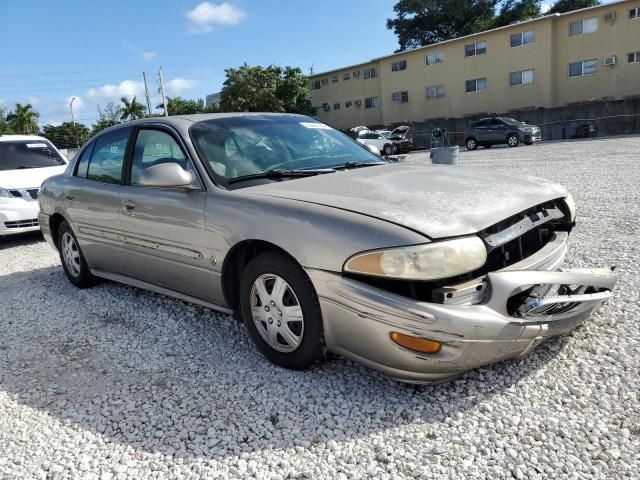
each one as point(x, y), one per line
point(115, 382)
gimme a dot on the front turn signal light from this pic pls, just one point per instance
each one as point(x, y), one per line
point(417, 344)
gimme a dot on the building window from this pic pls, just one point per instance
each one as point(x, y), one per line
point(326, 107)
point(400, 97)
point(524, 77)
point(325, 81)
point(586, 67)
point(476, 85)
point(371, 102)
point(334, 79)
point(399, 66)
point(522, 38)
point(370, 73)
point(633, 57)
point(315, 85)
point(587, 25)
point(348, 104)
point(435, 91)
point(433, 58)
point(634, 13)
point(478, 48)
point(336, 106)
point(346, 76)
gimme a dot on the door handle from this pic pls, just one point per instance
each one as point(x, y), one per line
point(128, 205)
point(68, 196)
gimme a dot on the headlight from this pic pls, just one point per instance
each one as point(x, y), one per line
point(421, 262)
point(571, 203)
point(5, 193)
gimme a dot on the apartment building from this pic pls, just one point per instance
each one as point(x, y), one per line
point(580, 56)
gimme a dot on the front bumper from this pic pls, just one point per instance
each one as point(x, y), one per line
point(18, 216)
point(359, 318)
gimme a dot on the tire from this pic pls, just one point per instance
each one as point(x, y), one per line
point(529, 143)
point(513, 140)
point(472, 144)
point(75, 266)
point(488, 145)
point(304, 342)
point(388, 149)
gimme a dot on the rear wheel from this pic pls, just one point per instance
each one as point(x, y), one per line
point(471, 144)
point(75, 266)
point(281, 311)
point(513, 140)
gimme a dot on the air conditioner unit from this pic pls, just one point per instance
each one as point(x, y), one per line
point(610, 17)
point(356, 73)
point(358, 103)
point(609, 60)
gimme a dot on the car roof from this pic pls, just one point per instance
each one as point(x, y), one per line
point(20, 138)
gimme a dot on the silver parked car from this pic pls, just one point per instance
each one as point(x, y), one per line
point(421, 272)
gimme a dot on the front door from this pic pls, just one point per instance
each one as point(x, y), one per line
point(164, 227)
point(92, 201)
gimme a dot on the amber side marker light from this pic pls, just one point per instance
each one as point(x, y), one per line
point(416, 344)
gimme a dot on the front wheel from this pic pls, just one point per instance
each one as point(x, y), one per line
point(472, 144)
point(281, 311)
point(75, 266)
point(513, 140)
point(388, 149)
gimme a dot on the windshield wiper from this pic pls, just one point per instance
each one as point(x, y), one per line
point(356, 164)
point(281, 173)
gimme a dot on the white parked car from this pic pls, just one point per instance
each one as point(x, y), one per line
point(384, 144)
point(25, 162)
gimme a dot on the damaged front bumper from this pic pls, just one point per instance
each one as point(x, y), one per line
point(520, 307)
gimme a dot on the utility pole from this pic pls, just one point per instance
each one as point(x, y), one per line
point(73, 122)
point(164, 99)
point(146, 92)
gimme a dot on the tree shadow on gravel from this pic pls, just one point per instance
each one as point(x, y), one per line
point(167, 377)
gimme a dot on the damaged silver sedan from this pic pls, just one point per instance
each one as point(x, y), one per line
point(418, 271)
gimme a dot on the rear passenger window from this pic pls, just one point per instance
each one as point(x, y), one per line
point(108, 156)
point(83, 162)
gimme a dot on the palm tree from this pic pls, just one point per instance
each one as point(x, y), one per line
point(132, 109)
point(24, 119)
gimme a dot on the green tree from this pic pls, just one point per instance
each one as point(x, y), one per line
point(109, 116)
point(517, 11)
point(265, 89)
point(4, 125)
point(131, 110)
point(24, 119)
point(67, 135)
point(181, 106)
point(102, 124)
point(562, 6)
point(423, 22)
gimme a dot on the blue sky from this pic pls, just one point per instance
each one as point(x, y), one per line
point(96, 51)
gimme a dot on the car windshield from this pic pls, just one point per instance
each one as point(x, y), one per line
point(16, 155)
point(238, 146)
point(512, 121)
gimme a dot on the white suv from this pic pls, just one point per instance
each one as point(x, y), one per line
point(25, 162)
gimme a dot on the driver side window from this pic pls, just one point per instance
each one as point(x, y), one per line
point(154, 147)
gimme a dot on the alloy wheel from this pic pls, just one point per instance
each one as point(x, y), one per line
point(71, 254)
point(277, 313)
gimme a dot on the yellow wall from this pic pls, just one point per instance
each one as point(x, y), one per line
point(549, 57)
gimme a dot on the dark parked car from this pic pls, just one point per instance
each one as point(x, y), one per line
point(500, 130)
point(401, 142)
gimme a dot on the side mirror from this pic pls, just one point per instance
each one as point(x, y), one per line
point(165, 175)
point(373, 149)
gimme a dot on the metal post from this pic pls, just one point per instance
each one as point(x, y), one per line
point(73, 122)
point(164, 99)
point(146, 92)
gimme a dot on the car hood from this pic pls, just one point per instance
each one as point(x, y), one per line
point(400, 131)
point(437, 201)
point(28, 177)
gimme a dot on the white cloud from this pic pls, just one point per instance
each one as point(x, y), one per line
point(149, 55)
point(178, 85)
point(206, 15)
point(126, 88)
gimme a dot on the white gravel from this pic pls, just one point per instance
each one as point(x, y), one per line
point(116, 382)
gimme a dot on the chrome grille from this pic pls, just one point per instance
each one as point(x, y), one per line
point(33, 192)
point(15, 193)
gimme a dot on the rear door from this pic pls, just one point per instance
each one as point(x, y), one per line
point(92, 200)
point(164, 227)
point(481, 131)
